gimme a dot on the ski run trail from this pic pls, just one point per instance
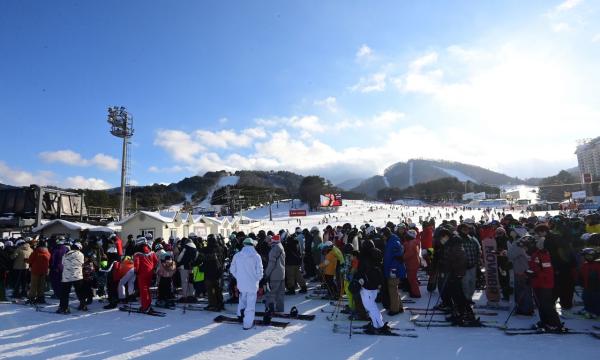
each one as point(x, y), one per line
point(114, 334)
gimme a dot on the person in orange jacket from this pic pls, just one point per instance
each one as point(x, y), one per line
point(329, 266)
point(39, 264)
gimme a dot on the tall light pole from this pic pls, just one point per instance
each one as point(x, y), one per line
point(121, 126)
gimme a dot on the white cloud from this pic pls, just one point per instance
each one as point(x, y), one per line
point(307, 123)
point(568, 5)
point(18, 177)
point(423, 61)
point(223, 120)
point(372, 83)
point(180, 145)
point(386, 118)
point(70, 157)
point(80, 182)
point(561, 27)
point(330, 103)
point(596, 38)
point(229, 138)
point(364, 53)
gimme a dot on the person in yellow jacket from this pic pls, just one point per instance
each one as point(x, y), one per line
point(329, 266)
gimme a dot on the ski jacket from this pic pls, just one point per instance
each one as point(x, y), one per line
point(56, 258)
point(393, 261)
point(543, 272)
point(166, 270)
point(187, 256)
point(519, 258)
point(590, 275)
point(87, 270)
point(411, 254)
point(427, 237)
point(472, 250)
point(145, 261)
point(276, 266)
point(123, 268)
point(5, 261)
point(72, 266)
point(247, 269)
point(338, 254)
point(329, 264)
point(213, 265)
point(39, 261)
point(561, 251)
point(293, 255)
point(119, 245)
point(369, 268)
point(453, 260)
point(21, 256)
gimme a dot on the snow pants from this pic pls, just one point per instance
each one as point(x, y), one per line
point(564, 288)
point(187, 289)
point(413, 283)
point(129, 281)
point(66, 290)
point(143, 280)
point(165, 288)
point(247, 304)
point(394, 293)
point(55, 281)
point(546, 304)
point(214, 293)
point(20, 288)
point(523, 295)
point(274, 299)
point(368, 300)
point(37, 288)
point(294, 276)
point(468, 283)
point(591, 301)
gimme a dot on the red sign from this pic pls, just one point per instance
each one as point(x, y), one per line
point(297, 212)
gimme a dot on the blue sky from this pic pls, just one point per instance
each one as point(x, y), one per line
point(333, 88)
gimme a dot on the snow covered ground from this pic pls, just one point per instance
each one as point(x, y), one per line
point(112, 334)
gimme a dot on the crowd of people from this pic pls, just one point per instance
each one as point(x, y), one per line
point(540, 262)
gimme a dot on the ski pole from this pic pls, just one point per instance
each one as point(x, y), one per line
point(515, 307)
point(442, 289)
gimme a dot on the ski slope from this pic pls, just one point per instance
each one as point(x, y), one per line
point(223, 181)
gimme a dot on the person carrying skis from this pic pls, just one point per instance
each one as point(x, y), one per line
point(247, 269)
point(72, 275)
point(144, 263)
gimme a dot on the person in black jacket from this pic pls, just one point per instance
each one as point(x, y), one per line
point(563, 261)
point(293, 261)
point(370, 277)
point(310, 268)
point(185, 261)
point(5, 267)
point(213, 270)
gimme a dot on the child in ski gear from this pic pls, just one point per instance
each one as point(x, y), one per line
point(165, 273)
point(246, 267)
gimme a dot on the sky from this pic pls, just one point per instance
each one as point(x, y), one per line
point(335, 88)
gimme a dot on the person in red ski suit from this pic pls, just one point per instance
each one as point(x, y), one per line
point(118, 243)
point(542, 283)
point(144, 263)
point(411, 260)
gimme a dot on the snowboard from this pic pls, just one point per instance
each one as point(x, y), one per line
point(287, 316)
point(234, 320)
point(488, 245)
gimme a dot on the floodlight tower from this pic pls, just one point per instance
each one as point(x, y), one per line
point(121, 126)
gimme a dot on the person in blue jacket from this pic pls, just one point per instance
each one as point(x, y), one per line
point(393, 269)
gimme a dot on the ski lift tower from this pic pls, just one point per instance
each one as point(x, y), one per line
point(121, 126)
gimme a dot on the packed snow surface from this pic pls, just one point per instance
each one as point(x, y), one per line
point(113, 334)
point(457, 174)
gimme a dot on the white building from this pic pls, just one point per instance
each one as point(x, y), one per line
point(588, 157)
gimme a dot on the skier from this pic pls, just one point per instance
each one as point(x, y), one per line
point(144, 263)
point(371, 279)
point(472, 251)
point(541, 272)
point(563, 261)
point(164, 275)
point(185, 259)
point(328, 266)
point(590, 275)
point(517, 255)
point(39, 262)
point(293, 262)
point(275, 276)
point(411, 261)
point(72, 275)
point(393, 270)
point(21, 268)
point(246, 267)
point(213, 271)
point(5, 267)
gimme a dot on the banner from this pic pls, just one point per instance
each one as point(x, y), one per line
point(297, 212)
point(331, 200)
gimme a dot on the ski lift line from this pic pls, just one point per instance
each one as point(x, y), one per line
point(579, 184)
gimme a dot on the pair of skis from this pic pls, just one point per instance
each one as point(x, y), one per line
point(152, 312)
point(408, 332)
point(222, 319)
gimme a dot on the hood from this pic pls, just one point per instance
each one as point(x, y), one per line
point(248, 251)
point(191, 244)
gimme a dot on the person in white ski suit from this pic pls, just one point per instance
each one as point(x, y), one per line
point(247, 269)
